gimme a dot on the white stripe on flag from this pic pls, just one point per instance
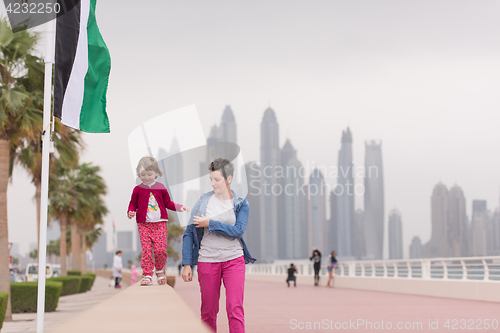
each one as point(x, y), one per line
point(73, 98)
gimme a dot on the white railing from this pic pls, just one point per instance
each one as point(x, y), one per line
point(466, 268)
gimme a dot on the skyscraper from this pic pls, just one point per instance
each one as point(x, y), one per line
point(252, 235)
point(317, 210)
point(228, 131)
point(331, 225)
point(291, 244)
point(416, 248)
point(345, 196)
point(457, 223)
point(395, 235)
point(374, 200)
point(438, 244)
point(270, 160)
point(359, 237)
point(479, 227)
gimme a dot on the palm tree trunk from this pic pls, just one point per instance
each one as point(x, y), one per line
point(84, 252)
point(76, 246)
point(4, 226)
point(62, 245)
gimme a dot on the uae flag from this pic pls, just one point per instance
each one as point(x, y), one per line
point(82, 66)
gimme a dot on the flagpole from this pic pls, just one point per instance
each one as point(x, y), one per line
point(46, 134)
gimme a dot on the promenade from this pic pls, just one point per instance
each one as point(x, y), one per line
point(273, 307)
point(68, 308)
point(269, 307)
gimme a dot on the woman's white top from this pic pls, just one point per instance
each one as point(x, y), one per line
point(215, 248)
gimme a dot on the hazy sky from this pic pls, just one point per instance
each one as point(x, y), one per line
point(422, 76)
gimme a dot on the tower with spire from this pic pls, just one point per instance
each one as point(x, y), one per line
point(270, 160)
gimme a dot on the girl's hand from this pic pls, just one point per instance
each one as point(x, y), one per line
point(185, 209)
point(187, 273)
point(201, 221)
point(131, 214)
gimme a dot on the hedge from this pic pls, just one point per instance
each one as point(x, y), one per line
point(86, 283)
point(24, 296)
point(93, 279)
point(4, 298)
point(74, 272)
point(71, 284)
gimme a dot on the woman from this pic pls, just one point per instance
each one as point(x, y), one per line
point(332, 265)
point(213, 240)
point(316, 256)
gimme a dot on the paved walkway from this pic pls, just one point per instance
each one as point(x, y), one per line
point(273, 307)
point(67, 308)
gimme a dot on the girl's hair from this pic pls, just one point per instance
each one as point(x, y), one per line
point(333, 253)
point(223, 165)
point(149, 164)
point(118, 252)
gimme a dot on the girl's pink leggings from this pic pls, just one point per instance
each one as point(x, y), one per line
point(232, 273)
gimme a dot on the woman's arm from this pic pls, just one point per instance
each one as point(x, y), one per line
point(187, 244)
point(238, 229)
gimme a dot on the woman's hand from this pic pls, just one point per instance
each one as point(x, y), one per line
point(131, 214)
point(201, 221)
point(185, 209)
point(187, 273)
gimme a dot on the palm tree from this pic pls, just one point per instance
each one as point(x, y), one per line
point(91, 210)
point(63, 198)
point(75, 198)
point(18, 121)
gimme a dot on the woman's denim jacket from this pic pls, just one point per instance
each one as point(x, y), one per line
point(192, 236)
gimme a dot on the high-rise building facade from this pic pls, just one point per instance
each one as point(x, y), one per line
point(457, 223)
point(252, 235)
point(374, 200)
point(317, 210)
point(416, 248)
point(438, 245)
point(291, 245)
point(479, 228)
point(359, 231)
point(331, 224)
point(395, 235)
point(345, 196)
point(270, 160)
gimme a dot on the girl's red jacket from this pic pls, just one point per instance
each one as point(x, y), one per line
point(140, 199)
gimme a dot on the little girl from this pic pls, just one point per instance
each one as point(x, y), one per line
point(149, 204)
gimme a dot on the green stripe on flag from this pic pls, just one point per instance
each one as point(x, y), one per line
point(93, 117)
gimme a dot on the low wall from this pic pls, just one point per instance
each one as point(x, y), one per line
point(472, 290)
point(126, 275)
point(137, 309)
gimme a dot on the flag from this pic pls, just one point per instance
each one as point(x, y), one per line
point(82, 66)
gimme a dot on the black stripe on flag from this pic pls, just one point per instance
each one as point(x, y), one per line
point(67, 33)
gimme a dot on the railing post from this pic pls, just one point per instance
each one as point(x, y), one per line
point(352, 267)
point(363, 270)
point(396, 272)
point(409, 270)
point(464, 270)
point(445, 270)
point(486, 271)
point(373, 269)
point(385, 269)
point(426, 269)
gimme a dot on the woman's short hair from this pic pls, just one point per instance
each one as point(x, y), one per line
point(149, 164)
point(225, 166)
point(118, 252)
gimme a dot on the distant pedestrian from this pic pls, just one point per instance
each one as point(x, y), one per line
point(133, 275)
point(149, 204)
point(117, 268)
point(332, 266)
point(316, 257)
point(179, 268)
point(291, 276)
